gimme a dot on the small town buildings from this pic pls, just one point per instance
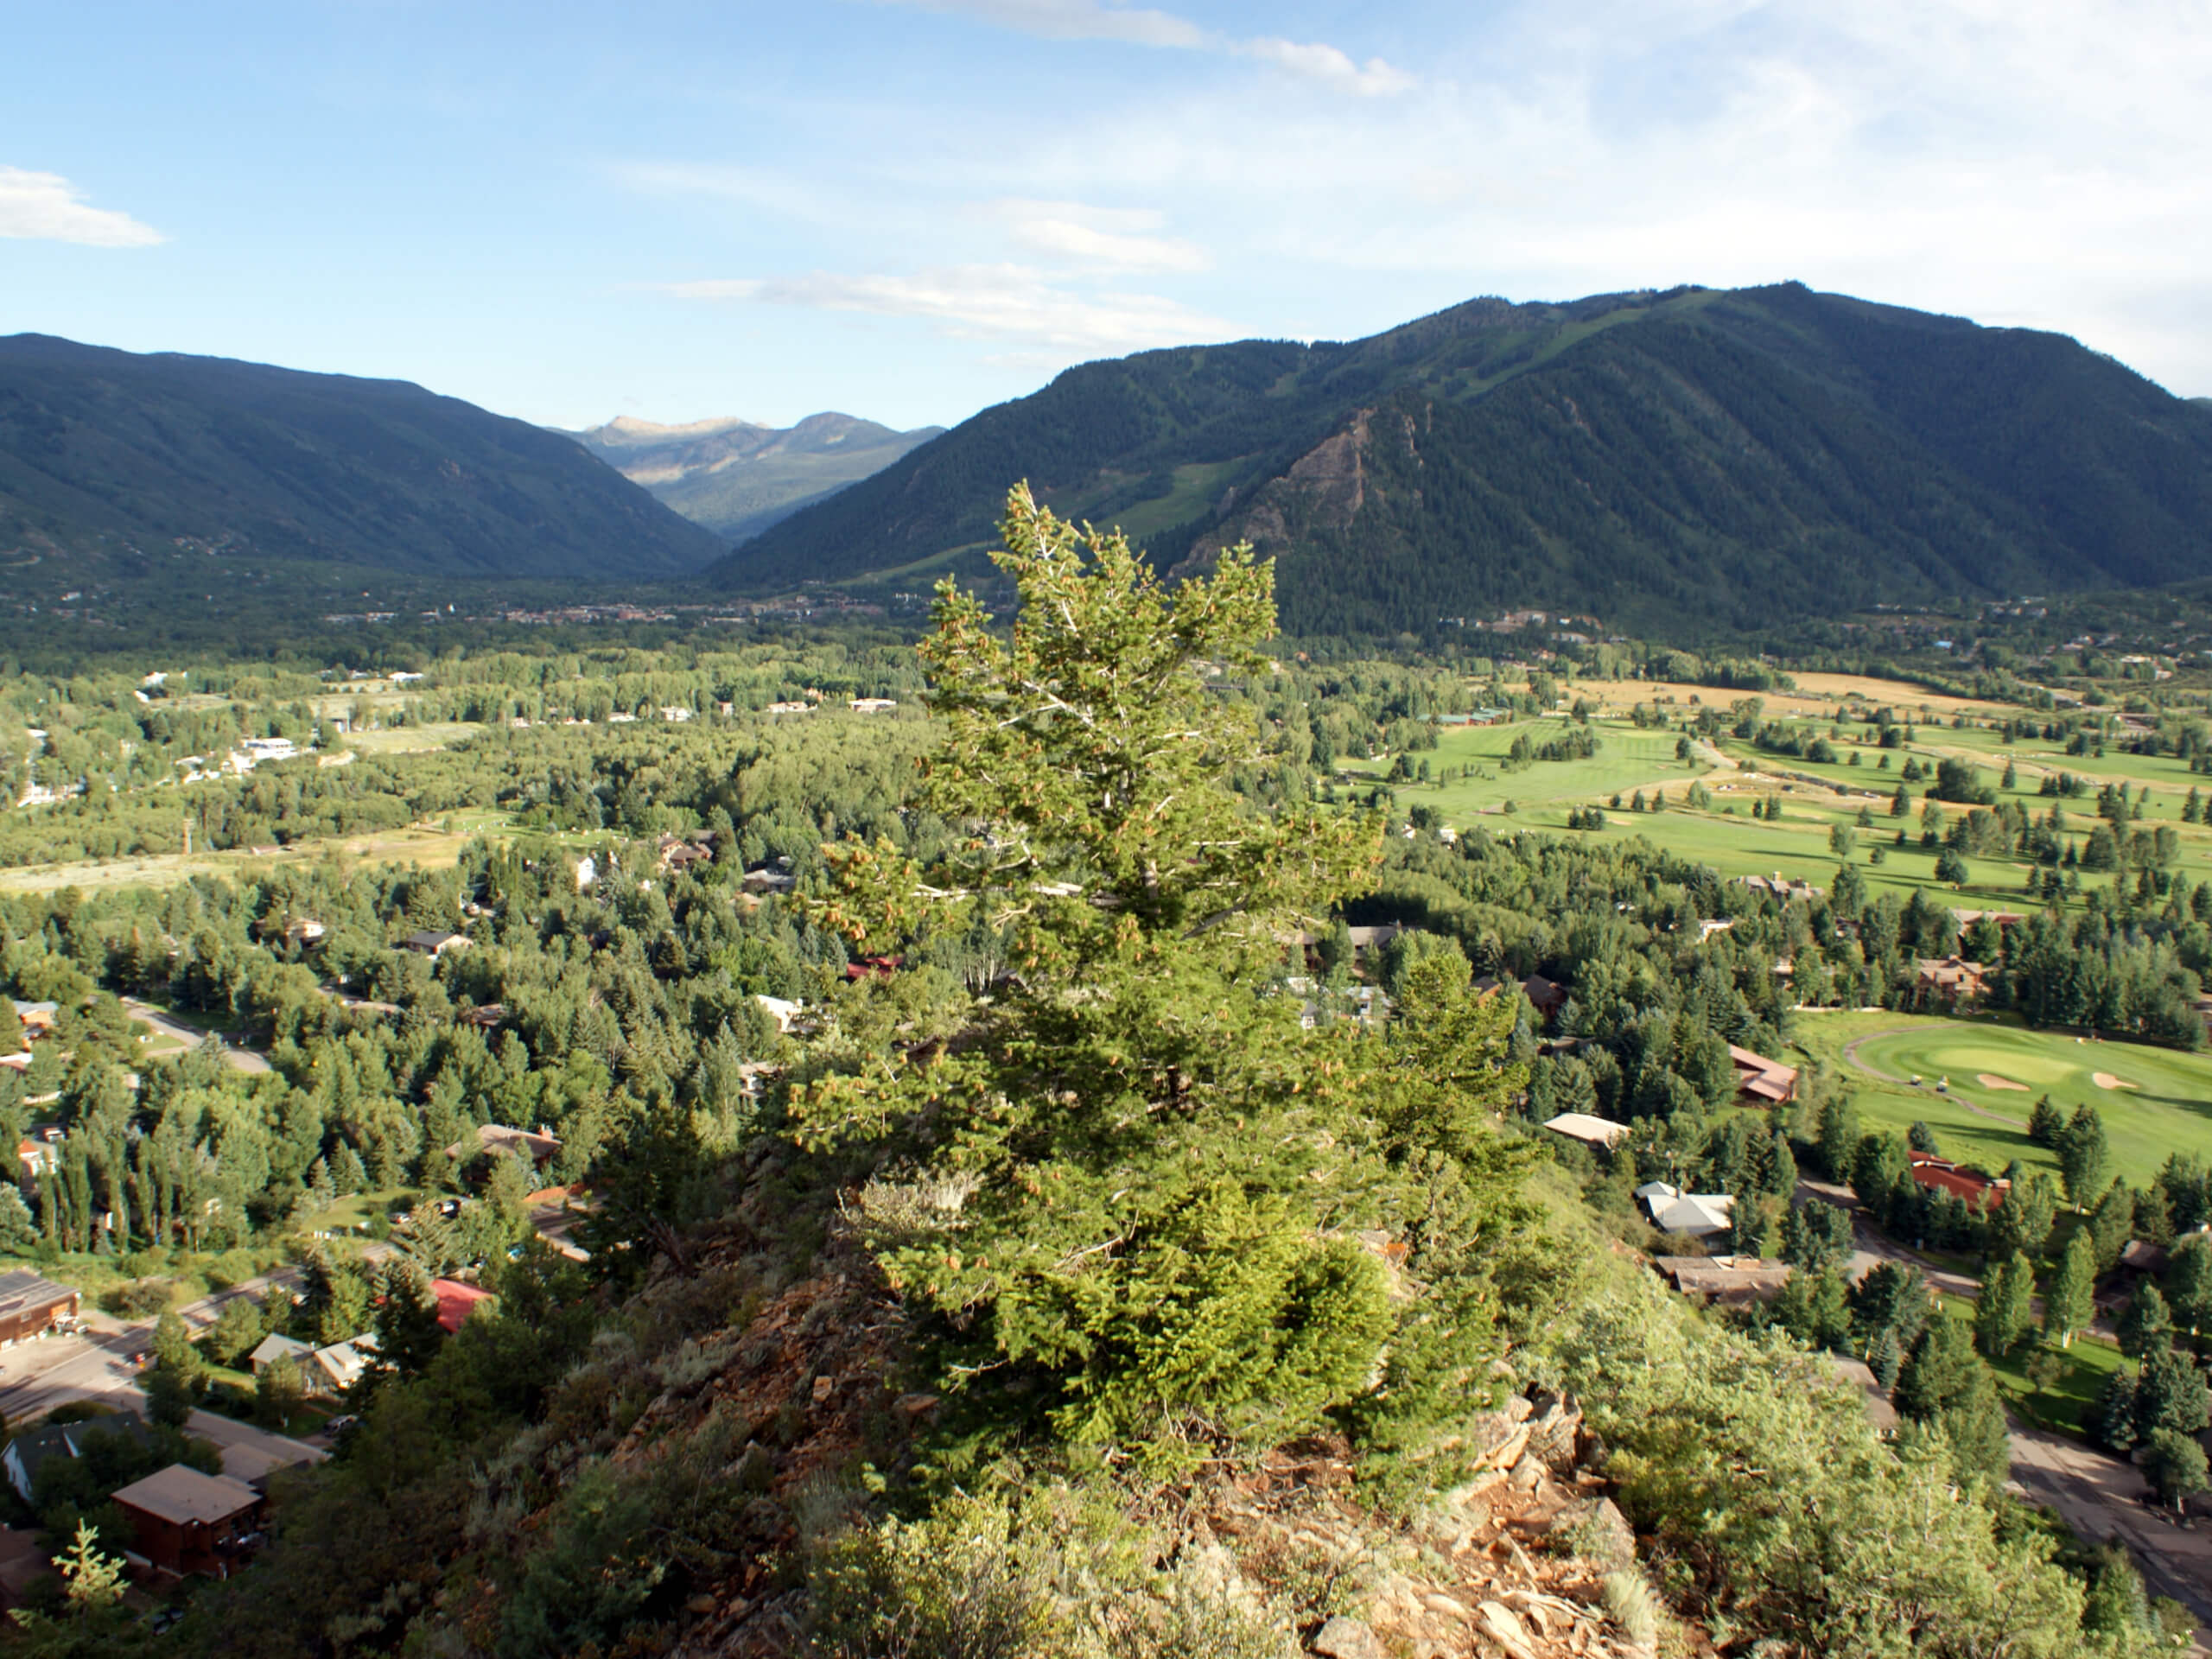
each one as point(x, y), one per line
point(487, 1016)
point(27, 1453)
point(768, 879)
point(1728, 1281)
point(789, 708)
point(1949, 980)
point(1761, 1081)
point(1782, 888)
point(540, 1146)
point(456, 1301)
point(780, 1009)
point(1693, 1215)
point(434, 942)
point(333, 1369)
point(1582, 1126)
point(30, 1305)
point(36, 1018)
point(873, 705)
point(274, 1347)
point(1981, 1191)
point(188, 1522)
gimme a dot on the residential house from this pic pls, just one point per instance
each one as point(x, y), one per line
point(1600, 1132)
point(1781, 888)
point(873, 705)
point(789, 708)
point(456, 1301)
point(333, 1369)
point(1981, 1192)
point(768, 879)
point(1949, 980)
point(1547, 996)
point(36, 1019)
point(436, 942)
point(1729, 1280)
point(1693, 1215)
point(189, 1522)
point(872, 967)
point(29, 1452)
point(780, 1009)
point(31, 1306)
point(1365, 941)
point(498, 1140)
point(1761, 1081)
point(274, 1347)
point(488, 1016)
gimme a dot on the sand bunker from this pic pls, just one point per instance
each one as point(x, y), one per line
point(2106, 1080)
point(1991, 1080)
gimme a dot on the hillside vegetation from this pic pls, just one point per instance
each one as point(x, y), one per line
point(142, 468)
point(1697, 459)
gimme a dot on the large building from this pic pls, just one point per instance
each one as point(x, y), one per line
point(189, 1522)
point(31, 1306)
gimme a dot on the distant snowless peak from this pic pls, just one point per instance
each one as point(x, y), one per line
point(628, 428)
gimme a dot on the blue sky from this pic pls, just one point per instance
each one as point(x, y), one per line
point(909, 209)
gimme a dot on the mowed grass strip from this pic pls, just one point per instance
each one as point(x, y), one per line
point(2170, 1111)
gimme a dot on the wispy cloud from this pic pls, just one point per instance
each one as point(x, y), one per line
point(47, 207)
point(1090, 20)
point(1374, 79)
point(1102, 237)
point(982, 302)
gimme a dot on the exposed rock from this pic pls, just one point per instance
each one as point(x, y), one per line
point(1347, 1638)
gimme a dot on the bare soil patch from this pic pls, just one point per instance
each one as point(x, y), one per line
point(1991, 1080)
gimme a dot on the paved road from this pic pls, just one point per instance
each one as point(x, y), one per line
point(167, 1024)
point(2099, 1496)
point(2102, 1497)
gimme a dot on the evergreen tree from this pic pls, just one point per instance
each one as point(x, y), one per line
point(1160, 1175)
point(2046, 1124)
point(2145, 1323)
point(2069, 1301)
point(2188, 1284)
point(2112, 1420)
point(2023, 1221)
point(1945, 1384)
point(2112, 1223)
point(2174, 1464)
point(2084, 1159)
point(2169, 1393)
point(2005, 1312)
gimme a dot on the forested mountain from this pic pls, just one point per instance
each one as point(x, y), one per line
point(738, 477)
point(116, 464)
point(1688, 457)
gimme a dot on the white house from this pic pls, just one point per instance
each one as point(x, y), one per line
point(1698, 1215)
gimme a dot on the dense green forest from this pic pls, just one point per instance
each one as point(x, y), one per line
point(963, 1309)
point(160, 473)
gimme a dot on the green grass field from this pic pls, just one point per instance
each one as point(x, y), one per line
point(411, 739)
point(1627, 760)
point(2084, 1366)
point(2169, 1111)
point(1815, 799)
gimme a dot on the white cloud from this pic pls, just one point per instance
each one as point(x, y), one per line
point(47, 207)
point(1375, 79)
point(1088, 20)
point(983, 301)
point(1102, 237)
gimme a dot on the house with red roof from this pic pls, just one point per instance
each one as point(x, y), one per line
point(456, 1301)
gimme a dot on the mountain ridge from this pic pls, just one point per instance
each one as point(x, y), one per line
point(1694, 455)
point(738, 477)
point(111, 458)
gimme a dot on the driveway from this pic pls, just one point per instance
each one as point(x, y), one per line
point(2102, 1497)
point(167, 1024)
